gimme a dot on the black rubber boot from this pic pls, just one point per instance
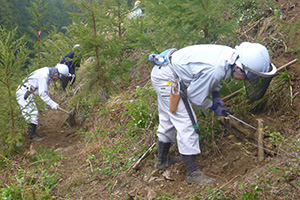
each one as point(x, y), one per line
point(33, 136)
point(194, 174)
point(164, 160)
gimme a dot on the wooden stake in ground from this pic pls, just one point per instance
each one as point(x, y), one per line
point(260, 134)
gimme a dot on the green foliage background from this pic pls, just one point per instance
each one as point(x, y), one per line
point(116, 48)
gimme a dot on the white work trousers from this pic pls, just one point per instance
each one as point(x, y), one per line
point(28, 106)
point(187, 138)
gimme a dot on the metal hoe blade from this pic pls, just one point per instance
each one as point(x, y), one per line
point(241, 121)
point(71, 116)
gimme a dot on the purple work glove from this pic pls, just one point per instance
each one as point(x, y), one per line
point(219, 110)
point(216, 98)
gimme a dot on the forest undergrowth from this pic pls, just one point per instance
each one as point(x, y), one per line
point(100, 157)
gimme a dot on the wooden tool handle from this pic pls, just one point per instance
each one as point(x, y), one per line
point(59, 108)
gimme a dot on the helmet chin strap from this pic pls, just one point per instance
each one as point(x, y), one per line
point(233, 69)
point(232, 66)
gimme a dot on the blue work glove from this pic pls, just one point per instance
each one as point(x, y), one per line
point(219, 110)
point(216, 98)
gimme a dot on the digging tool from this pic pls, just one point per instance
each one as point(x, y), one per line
point(73, 77)
point(71, 116)
point(242, 121)
point(184, 97)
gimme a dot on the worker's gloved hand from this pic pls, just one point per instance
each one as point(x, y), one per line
point(54, 106)
point(219, 110)
point(71, 75)
point(216, 98)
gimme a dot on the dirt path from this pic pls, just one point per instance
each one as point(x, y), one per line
point(53, 125)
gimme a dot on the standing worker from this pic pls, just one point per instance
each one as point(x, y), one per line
point(38, 83)
point(197, 72)
point(136, 11)
point(73, 62)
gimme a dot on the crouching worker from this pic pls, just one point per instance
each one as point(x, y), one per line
point(37, 83)
point(196, 72)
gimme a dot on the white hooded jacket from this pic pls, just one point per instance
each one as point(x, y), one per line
point(40, 80)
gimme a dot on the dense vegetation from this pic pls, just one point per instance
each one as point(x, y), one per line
point(116, 47)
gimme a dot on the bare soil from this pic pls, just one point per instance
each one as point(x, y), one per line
point(226, 161)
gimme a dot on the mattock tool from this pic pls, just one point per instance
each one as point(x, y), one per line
point(242, 121)
point(71, 116)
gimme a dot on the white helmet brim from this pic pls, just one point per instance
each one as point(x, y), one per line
point(262, 74)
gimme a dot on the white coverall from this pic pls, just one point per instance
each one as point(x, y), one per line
point(39, 80)
point(136, 12)
point(201, 68)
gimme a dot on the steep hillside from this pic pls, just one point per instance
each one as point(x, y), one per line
point(232, 159)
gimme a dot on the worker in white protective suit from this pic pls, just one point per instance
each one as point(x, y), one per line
point(199, 70)
point(136, 11)
point(37, 83)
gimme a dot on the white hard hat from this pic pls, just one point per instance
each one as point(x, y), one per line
point(63, 69)
point(137, 3)
point(254, 59)
point(76, 45)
